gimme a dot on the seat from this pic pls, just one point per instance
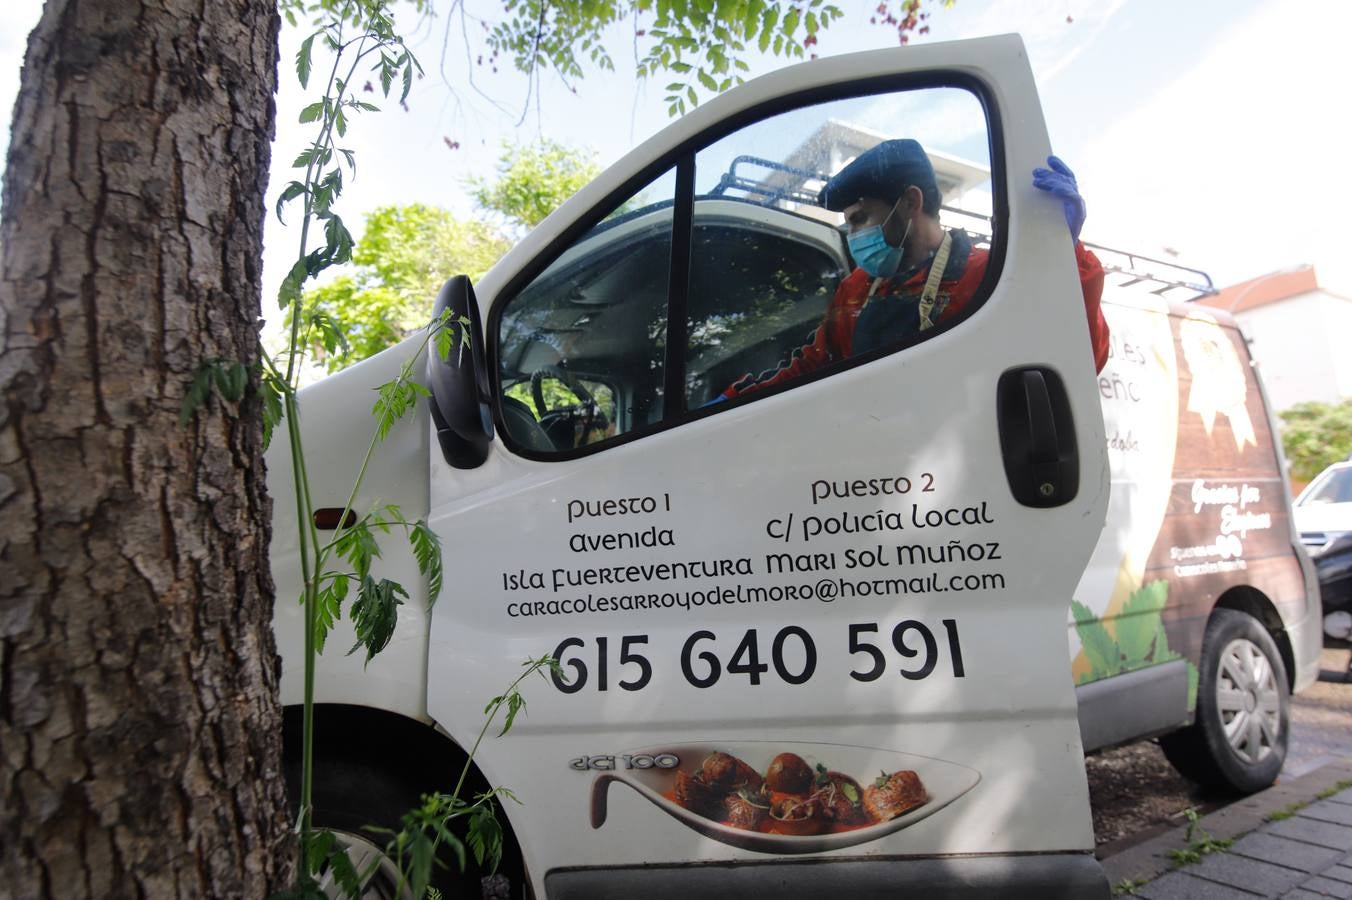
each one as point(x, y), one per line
point(521, 425)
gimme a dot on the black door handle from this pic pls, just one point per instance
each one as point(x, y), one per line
point(1037, 437)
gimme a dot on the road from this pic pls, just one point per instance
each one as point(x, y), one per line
point(1133, 791)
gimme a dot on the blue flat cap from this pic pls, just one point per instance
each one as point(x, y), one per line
point(882, 172)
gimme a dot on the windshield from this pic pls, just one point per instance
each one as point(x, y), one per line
point(1336, 487)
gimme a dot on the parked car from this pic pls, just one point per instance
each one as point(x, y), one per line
point(1324, 516)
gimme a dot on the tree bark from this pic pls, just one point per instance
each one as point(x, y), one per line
point(140, 751)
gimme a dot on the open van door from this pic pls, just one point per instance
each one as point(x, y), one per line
point(821, 624)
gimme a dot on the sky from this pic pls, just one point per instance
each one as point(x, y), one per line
point(1209, 129)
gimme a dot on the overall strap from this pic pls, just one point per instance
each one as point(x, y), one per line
point(936, 275)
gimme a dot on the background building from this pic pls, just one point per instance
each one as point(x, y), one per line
point(1300, 333)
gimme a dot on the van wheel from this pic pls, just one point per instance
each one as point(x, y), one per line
point(353, 797)
point(1238, 741)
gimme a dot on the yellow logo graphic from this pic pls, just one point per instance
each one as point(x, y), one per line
point(1218, 383)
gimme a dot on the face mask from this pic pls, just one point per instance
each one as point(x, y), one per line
point(874, 254)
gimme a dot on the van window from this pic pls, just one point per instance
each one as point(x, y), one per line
point(584, 358)
point(581, 348)
point(1337, 488)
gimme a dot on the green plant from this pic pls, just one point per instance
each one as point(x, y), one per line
point(1336, 789)
point(1200, 842)
point(1126, 886)
point(355, 33)
point(359, 31)
point(427, 827)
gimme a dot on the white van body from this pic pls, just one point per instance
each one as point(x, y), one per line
point(1199, 519)
point(838, 570)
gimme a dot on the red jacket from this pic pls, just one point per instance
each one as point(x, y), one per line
point(834, 338)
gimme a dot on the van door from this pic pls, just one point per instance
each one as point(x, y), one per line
point(822, 621)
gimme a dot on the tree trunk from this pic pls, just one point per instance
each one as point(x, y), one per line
point(140, 751)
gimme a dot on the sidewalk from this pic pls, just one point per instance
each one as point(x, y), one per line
point(1293, 840)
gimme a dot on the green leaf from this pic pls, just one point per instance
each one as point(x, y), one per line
point(445, 343)
point(396, 399)
point(344, 872)
point(272, 407)
point(312, 112)
point(358, 546)
point(514, 702)
point(484, 835)
point(386, 66)
point(375, 614)
point(769, 20)
point(408, 83)
point(291, 192)
point(198, 391)
point(339, 249)
point(1139, 622)
point(790, 22)
point(289, 292)
point(330, 334)
point(303, 60)
point(237, 380)
point(1099, 648)
point(707, 80)
point(321, 845)
point(427, 551)
point(329, 606)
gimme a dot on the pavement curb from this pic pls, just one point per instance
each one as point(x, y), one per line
point(1150, 859)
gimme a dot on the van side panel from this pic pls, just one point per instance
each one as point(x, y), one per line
point(1199, 504)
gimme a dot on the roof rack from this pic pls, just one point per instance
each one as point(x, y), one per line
point(765, 191)
point(1158, 276)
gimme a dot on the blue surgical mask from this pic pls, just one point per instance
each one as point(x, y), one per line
point(874, 254)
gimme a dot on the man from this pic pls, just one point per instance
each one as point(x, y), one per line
point(912, 274)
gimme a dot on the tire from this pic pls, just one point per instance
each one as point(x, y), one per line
point(352, 796)
point(1238, 740)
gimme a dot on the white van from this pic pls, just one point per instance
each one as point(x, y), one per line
point(1199, 612)
point(814, 643)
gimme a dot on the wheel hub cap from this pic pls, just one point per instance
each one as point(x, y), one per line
point(1248, 700)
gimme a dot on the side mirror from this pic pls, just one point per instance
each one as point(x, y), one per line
point(460, 395)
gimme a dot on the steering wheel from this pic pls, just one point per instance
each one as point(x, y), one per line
point(537, 391)
point(587, 412)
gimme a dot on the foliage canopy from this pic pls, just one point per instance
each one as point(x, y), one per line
point(534, 180)
point(402, 259)
point(1316, 435)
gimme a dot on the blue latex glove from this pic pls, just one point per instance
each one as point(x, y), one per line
point(1060, 182)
